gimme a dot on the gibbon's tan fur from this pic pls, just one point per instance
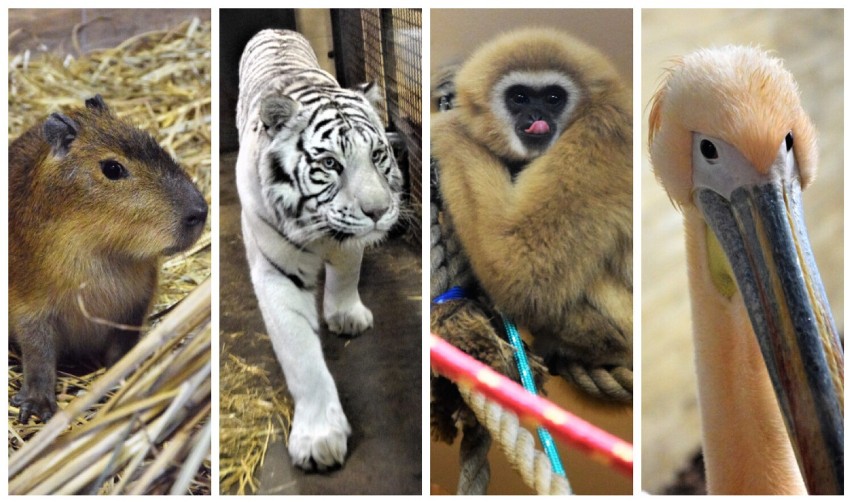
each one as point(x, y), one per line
point(553, 248)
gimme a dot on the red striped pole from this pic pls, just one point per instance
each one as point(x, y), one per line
point(531, 409)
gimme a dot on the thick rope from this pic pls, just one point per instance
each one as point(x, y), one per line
point(517, 444)
point(609, 384)
point(475, 472)
point(449, 265)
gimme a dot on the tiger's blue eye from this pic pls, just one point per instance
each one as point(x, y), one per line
point(329, 162)
point(377, 155)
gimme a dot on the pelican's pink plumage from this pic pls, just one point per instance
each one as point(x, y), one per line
point(738, 108)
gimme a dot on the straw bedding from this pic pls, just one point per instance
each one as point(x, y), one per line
point(252, 413)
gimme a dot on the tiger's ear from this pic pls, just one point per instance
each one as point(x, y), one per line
point(276, 111)
point(373, 94)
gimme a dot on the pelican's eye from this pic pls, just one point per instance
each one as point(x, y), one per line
point(708, 150)
point(789, 140)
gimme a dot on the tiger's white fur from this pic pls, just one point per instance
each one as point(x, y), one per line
point(318, 182)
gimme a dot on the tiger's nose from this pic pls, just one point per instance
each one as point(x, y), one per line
point(375, 209)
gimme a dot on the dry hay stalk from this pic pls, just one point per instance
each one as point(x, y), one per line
point(153, 419)
point(252, 414)
point(152, 433)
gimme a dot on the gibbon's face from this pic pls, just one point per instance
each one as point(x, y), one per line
point(534, 112)
point(536, 105)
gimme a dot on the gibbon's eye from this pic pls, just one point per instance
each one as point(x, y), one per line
point(708, 150)
point(113, 169)
point(331, 163)
point(377, 155)
point(789, 140)
point(520, 98)
point(554, 96)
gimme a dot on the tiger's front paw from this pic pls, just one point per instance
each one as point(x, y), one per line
point(318, 438)
point(351, 321)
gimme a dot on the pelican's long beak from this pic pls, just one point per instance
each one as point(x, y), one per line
point(757, 219)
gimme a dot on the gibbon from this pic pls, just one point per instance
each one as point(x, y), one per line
point(536, 173)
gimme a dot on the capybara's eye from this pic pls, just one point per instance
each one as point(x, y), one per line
point(113, 169)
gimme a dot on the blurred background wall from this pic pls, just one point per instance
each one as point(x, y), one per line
point(50, 30)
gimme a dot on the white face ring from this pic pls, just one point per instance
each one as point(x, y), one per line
point(535, 80)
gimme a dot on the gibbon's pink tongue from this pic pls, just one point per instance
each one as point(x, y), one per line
point(538, 127)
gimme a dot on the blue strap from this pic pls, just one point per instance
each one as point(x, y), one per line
point(454, 293)
point(529, 384)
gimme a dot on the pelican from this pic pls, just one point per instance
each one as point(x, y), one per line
point(733, 148)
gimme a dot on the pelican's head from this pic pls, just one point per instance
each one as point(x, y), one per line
point(728, 136)
point(738, 101)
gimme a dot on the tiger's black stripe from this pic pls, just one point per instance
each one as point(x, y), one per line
point(295, 279)
point(284, 236)
point(278, 173)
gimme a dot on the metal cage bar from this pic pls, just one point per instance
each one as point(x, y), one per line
point(385, 46)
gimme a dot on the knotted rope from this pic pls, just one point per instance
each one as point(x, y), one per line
point(492, 400)
point(475, 472)
point(517, 444)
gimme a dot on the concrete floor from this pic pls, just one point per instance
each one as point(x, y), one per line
point(378, 374)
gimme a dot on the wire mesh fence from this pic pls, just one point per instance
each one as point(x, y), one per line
point(384, 46)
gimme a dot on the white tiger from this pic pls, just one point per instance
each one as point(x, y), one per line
point(318, 182)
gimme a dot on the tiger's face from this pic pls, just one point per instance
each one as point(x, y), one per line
point(329, 172)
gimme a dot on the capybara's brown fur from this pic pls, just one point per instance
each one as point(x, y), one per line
point(93, 204)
